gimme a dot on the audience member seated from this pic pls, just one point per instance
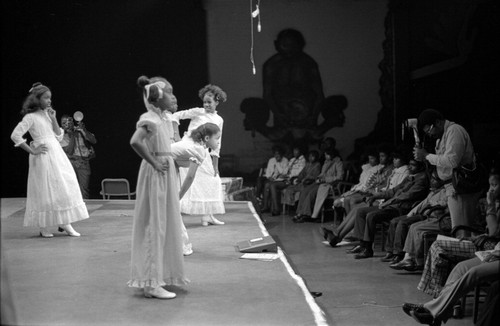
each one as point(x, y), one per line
point(462, 279)
point(380, 180)
point(397, 201)
point(331, 170)
point(276, 166)
point(430, 208)
point(327, 144)
point(305, 178)
point(272, 197)
point(444, 253)
point(367, 171)
point(439, 221)
point(327, 187)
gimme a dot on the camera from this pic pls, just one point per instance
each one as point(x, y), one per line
point(78, 117)
point(411, 124)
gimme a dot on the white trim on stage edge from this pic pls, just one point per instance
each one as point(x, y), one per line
point(319, 315)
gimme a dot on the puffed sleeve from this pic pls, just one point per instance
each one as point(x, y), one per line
point(149, 124)
point(198, 154)
point(61, 135)
point(21, 129)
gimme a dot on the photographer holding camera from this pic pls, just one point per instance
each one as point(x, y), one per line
point(77, 144)
point(453, 149)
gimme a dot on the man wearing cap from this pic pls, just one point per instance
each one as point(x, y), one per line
point(453, 149)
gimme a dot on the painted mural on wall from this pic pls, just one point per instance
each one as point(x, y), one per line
point(293, 93)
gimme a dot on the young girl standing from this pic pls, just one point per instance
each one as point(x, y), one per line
point(205, 195)
point(189, 153)
point(53, 196)
point(157, 258)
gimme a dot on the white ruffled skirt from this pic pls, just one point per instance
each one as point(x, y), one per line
point(53, 194)
point(205, 194)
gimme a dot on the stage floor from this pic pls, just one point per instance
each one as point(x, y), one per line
point(82, 281)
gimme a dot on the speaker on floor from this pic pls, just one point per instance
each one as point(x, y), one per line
point(264, 244)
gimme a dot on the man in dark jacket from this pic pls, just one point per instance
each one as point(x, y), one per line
point(397, 201)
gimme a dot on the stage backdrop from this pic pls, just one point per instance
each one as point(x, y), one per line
point(343, 37)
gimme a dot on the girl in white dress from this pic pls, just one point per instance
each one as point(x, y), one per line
point(189, 153)
point(205, 195)
point(157, 258)
point(53, 196)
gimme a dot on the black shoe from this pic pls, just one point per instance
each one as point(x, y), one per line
point(306, 218)
point(424, 317)
point(397, 259)
point(333, 239)
point(295, 218)
point(265, 210)
point(303, 218)
point(298, 220)
point(414, 268)
point(389, 257)
point(406, 263)
point(354, 250)
point(367, 253)
point(408, 307)
point(275, 213)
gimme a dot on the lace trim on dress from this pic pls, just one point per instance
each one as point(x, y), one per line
point(56, 217)
point(155, 283)
point(202, 207)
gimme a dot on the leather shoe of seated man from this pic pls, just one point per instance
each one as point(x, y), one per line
point(408, 307)
point(354, 250)
point(397, 258)
point(389, 257)
point(408, 265)
point(366, 253)
point(423, 316)
point(299, 219)
point(304, 218)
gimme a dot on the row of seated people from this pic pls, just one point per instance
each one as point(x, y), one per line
point(384, 170)
point(298, 175)
point(410, 219)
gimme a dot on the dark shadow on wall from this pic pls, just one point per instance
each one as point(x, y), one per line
point(293, 93)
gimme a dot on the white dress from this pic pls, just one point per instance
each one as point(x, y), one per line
point(184, 152)
point(157, 257)
point(205, 194)
point(53, 195)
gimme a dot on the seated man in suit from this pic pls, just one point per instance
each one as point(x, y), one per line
point(429, 208)
point(398, 201)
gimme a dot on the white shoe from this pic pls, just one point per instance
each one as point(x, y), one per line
point(159, 293)
point(210, 219)
point(187, 249)
point(69, 230)
point(44, 233)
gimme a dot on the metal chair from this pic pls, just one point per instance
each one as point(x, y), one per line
point(115, 187)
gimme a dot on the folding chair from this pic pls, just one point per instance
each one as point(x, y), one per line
point(115, 187)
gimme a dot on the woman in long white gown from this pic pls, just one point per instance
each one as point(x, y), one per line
point(53, 195)
point(205, 196)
